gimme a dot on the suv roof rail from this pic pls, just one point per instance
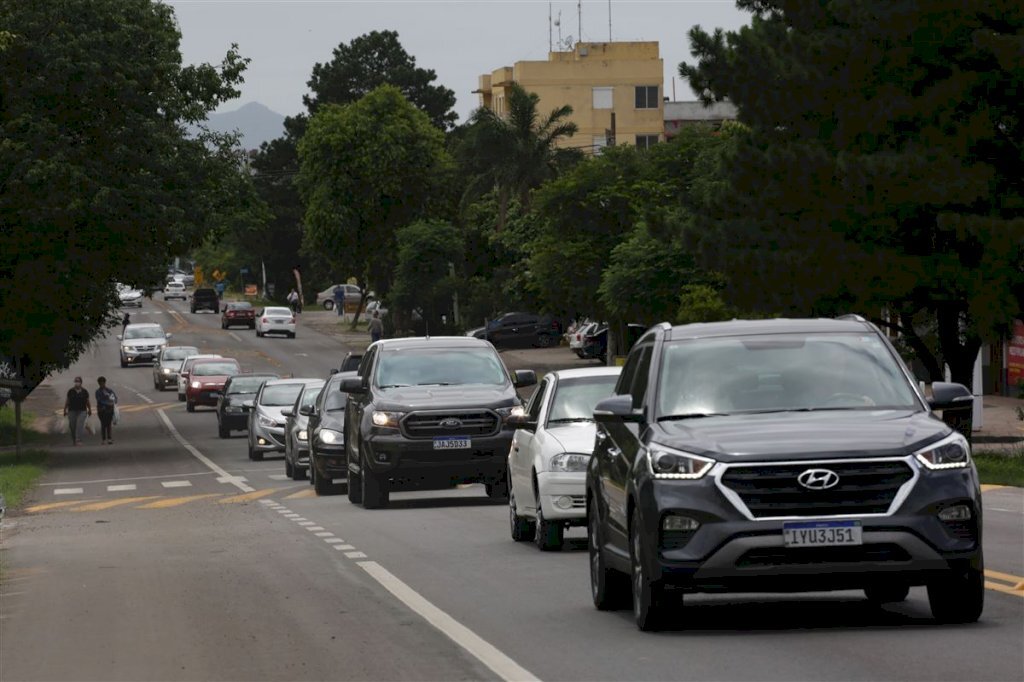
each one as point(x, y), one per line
point(852, 316)
point(664, 325)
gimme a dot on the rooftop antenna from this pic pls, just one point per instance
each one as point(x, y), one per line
point(579, 19)
point(609, 21)
point(558, 23)
point(549, 27)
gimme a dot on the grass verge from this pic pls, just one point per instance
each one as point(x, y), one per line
point(17, 477)
point(7, 432)
point(1001, 468)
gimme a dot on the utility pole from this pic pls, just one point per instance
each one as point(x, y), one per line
point(609, 21)
point(455, 296)
point(579, 21)
point(611, 139)
point(549, 28)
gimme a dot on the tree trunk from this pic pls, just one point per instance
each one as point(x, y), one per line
point(502, 208)
point(959, 348)
point(17, 430)
point(921, 349)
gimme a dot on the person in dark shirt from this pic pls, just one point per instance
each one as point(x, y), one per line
point(77, 409)
point(106, 403)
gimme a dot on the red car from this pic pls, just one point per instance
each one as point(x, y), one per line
point(238, 313)
point(206, 381)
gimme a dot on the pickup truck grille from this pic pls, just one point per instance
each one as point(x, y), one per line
point(432, 424)
point(771, 490)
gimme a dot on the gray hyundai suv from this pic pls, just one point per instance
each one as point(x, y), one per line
point(780, 455)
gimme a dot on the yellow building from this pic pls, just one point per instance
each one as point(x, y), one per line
point(597, 80)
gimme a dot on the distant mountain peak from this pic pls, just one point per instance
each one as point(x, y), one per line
point(256, 122)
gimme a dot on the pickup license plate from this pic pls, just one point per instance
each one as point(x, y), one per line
point(457, 443)
point(822, 533)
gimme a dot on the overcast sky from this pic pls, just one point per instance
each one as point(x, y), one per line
point(458, 39)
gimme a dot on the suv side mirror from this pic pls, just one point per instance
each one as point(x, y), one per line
point(287, 412)
point(617, 407)
point(947, 396)
point(305, 410)
point(522, 378)
point(334, 371)
point(353, 385)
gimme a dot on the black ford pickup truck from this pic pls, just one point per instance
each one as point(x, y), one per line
point(429, 413)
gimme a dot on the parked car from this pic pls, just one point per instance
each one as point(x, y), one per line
point(236, 399)
point(129, 296)
point(547, 463)
point(165, 369)
point(266, 418)
point(349, 363)
point(521, 330)
point(175, 289)
point(327, 461)
point(142, 342)
point(296, 431)
point(431, 411)
point(578, 338)
point(237, 313)
point(275, 320)
point(353, 295)
point(780, 455)
point(206, 380)
point(186, 368)
point(204, 299)
point(595, 345)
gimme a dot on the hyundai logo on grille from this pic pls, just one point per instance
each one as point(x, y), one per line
point(818, 479)
point(451, 423)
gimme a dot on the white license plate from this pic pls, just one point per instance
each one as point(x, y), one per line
point(822, 533)
point(452, 443)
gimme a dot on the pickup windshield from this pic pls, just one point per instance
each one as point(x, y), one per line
point(440, 367)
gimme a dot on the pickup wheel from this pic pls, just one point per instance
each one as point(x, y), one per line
point(648, 595)
point(549, 535)
point(522, 527)
point(958, 596)
point(355, 481)
point(376, 491)
point(608, 587)
point(223, 431)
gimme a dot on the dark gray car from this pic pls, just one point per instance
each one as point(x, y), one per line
point(296, 431)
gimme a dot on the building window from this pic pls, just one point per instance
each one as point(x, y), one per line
point(602, 98)
point(599, 143)
point(647, 97)
point(646, 141)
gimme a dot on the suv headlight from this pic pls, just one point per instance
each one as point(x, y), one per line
point(331, 437)
point(669, 463)
point(387, 419)
point(302, 435)
point(952, 452)
point(264, 421)
point(570, 461)
point(166, 370)
point(196, 384)
point(514, 411)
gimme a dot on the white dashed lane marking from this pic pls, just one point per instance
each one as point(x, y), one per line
point(177, 484)
point(67, 491)
point(355, 555)
point(232, 479)
point(120, 488)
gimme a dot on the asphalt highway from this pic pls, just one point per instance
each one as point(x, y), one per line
point(170, 556)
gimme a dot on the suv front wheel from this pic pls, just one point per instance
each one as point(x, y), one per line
point(608, 587)
point(958, 596)
point(376, 492)
point(648, 595)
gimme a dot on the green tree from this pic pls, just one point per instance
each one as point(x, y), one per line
point(99, 182)
point(514, 154)
point(428, 250)
point(880, 169)
point(367, 169)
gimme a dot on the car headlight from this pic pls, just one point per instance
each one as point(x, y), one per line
point(514, 411)
point(952, 452)
point(125, 348)
point(232, 408)
point(196, 384)
point(669, 463)
point(331, 437)
point(166, 370)
point(387, 419)
point(570, 461)
point(264, 421)
point(302, 435)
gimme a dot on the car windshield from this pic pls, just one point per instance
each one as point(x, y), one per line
point(239, 306)
point(212, 369)
point(246, 385)
point(575, 398)
point(309, 396)
point(335, 399)
point(284, 312)
point(280, 395)
point(178, 353)
point(440, 367)
point(780, 373)
point(144, 333)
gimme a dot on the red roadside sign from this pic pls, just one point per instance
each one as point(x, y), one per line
point(1015, 357)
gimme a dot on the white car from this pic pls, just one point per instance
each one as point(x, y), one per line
point(142, 343)
point(578, 337)
point(275, 320)
point(175, 290)
point(129, 296)
point(547, 462)
point(183, 373)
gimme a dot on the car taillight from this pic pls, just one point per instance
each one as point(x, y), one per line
point(292, 321)
point(264, 320)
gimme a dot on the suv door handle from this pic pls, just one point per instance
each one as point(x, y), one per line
point(614, 452)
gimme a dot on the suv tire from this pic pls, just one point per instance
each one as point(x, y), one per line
point(222, 430)
point(320, 486)
point(522, 527)
point(608, 587)
point(549, 535)
point(958, 596)
point(648, 595)
point(376, 491)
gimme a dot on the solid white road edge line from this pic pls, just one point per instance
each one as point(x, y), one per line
point(232, 335)
point(200, 456)
point(485, 652)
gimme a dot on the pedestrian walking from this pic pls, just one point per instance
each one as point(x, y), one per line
point(77, 408)
point(339, 299)
point(293, 300)
point(125, 322)
point(376, 327)
point(106, 406)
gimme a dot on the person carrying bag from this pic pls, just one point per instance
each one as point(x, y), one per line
point(106, 409)
point(76, 409)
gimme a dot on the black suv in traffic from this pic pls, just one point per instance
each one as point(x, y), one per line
point(429, 412)
point(780, 455)
point(235, 400)
point(204, 299)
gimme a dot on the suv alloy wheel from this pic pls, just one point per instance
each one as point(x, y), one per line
point(608, 588)
point(959, 595)
point(648, 595)
point(376, 488)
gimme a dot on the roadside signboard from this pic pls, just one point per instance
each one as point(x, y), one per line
point(1015, 358)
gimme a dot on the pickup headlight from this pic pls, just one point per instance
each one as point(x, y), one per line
point(166, 370)
point(387, 419)
point(570, 461)
point(514, 411)
point(302, 435)
point(669, 463)
point(126, 348)
point(331, 437)
point(264, 421)
point(196, 384)
point(952, 452)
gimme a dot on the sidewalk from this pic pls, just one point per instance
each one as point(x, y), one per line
point(1001, 428)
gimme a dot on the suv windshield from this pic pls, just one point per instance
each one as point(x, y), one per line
point(336, 400)
point(575, 398)
point(309, 396)
point(213, 369)
point(780, 373)
point(144, 333)
point(280, 395)
point(246, 384)
point(440, 367)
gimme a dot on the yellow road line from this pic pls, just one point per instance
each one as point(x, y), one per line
point(100, 506)
point(300, 495)
point(52, 505)
point(985, 487)
point(245, 497)
point(177, 501)
point(1015, 580)
point(999, 587)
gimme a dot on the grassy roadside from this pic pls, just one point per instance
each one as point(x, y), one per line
point(18, 477)
point(7, 432)
point(1001, 467)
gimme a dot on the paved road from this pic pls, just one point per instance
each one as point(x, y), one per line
point(148, 559)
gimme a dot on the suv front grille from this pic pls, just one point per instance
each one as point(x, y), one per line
point(432, 424)
point(772, 490)
point(765, 557)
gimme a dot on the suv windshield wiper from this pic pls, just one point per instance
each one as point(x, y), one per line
point(691, 415)
point(394, 386)
point(435, 383)
point(803, 409)
point(566, 420)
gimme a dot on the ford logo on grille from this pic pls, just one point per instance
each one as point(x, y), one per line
point(451, 423)
point(818, 479)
